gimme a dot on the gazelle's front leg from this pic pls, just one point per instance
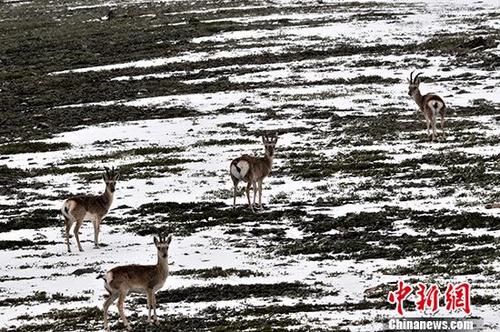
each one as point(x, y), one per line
point(260, 193)
point(97, 227)
point(121, 302)
point(149, 294)
point(155, 317)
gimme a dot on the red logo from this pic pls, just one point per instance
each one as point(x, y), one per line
point(427, 298)
point(458, 297)
point(400, 295)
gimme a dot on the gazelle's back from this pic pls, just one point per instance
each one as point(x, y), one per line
point(91, 203)
point(136, 277)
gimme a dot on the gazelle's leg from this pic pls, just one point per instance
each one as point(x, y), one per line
point(77, 232)
point(254, 186)
point(149, 293)
point(109, 301)
point(260, 193)
point(428, 121)
point(121, 302)
point(67, 223)
point(155, 317)
point(249, 184)
point(97, 227)
point(235, 192)
point(434, 118)
point(442, 125)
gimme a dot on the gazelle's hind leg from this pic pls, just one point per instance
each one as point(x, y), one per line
point(68, 222)
point(428, 122)
point(109, 301)
point(77, 232)
point(235, 190)
point(254, 186)
point(249, 184)
point(434, 131)
point(442, 123)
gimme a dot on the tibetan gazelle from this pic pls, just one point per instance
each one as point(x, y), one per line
point(147, 279)
point(253, 170)
point(89, 207)
point(430, 105)
point(492, 206)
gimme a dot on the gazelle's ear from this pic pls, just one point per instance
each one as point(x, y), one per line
point(263, 139)
point(169, 239)
point(155, 239)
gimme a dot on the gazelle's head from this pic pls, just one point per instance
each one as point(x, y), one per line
point(269, 144)
point(413, 82)
point(162, 244)
point(110, 177)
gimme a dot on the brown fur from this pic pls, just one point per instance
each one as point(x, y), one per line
point(137, 278)
point(77, 209)
point(259, 168)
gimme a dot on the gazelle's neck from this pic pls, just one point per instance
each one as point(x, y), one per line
point(417, 96)
point(268, 158)
point(162, 264)
point(107, 195)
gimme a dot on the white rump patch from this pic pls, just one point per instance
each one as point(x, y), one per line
point(244, 166)
point(67, 205)
point(108, 277)
point(439, 105)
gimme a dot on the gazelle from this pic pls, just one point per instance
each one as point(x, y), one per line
point(430, 104)
point(253, 170)
point(492, 206)
point(121, 280)
point(79, 208)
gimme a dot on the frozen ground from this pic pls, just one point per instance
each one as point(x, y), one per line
point(171, 91)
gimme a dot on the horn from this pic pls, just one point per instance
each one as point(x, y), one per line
point(411, 76)
point(416, 76)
